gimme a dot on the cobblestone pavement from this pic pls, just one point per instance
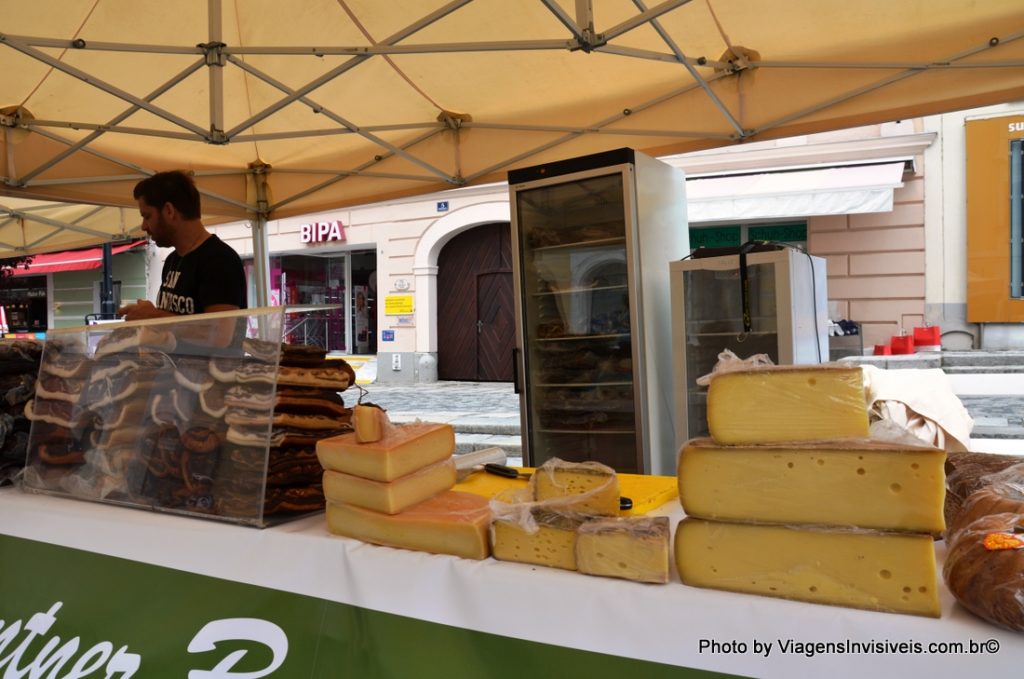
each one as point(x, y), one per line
point(996, 416)
point(461, 397)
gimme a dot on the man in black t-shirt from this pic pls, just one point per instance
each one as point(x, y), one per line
point(203, 274)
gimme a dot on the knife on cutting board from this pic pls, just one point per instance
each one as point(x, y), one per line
point(467, 463)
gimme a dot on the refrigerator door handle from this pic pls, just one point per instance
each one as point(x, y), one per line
point(515, 370)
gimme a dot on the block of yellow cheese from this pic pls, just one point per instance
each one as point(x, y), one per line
point(449, 523)
point(861, 569)
point(595, 484)
point(842, 483)
point(634, 548)
point(788, 403)
point(401, 451)
point(553, 543)
point(390, 497)
point(369, 423)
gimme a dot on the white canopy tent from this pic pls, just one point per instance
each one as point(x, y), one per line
point(282, 109)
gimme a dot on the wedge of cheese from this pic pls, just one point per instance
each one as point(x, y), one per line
point(369, 423)
point(791, 403)
point(595, 485)
point(553, 543)
point(634, 548)
point(401, 451)
point(860, 569)
point(864, 483)
point(450, 523)
point(390, 497)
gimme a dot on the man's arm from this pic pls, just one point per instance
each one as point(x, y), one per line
point(143, 309)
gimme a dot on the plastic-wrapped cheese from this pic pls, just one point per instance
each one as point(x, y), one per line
point(586, 487)
point(790, 403)
point(634, 548)
point(842, 483)
point(401, 451)
point(390, 497)
point(856, 568)
point(449, 523)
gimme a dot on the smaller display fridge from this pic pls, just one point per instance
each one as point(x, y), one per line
point(592, 239)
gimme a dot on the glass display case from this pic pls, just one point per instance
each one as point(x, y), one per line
point(787, 303)
point(208, 415)
point(592, 238)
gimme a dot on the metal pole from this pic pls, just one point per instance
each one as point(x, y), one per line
point(260, 246)
point(107, 309)
point(1016, 217)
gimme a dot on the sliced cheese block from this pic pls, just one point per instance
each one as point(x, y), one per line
point(390, 497)
point(866, 484)
point(860, 569)
point(402, 451)
point(553, 543)
point(634, 548)
point(369, 422)
point(799, 403)
point(596, 485)
point(450, 523)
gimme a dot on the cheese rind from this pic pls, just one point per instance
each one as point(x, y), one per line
point(633, 548)
point(390, 497)
point(449, 523)
point(552, 544)
point(401, 451)
point(865, 484)
point(787, 404)
point(860, 569)
point(596, 485)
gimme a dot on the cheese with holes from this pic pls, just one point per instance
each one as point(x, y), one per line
point(800, 403)
point(634, 548)
point(401, 451)
point(449, 523)
point(390, 497)
point(553, 543)
point(860, 569)
point(596, 484)
point(865, 483)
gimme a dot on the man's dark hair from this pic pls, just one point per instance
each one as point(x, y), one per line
point(174, 187)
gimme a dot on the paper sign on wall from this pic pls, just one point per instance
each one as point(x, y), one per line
point(396, 305)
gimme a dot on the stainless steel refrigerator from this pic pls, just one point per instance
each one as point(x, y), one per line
point(592, 241)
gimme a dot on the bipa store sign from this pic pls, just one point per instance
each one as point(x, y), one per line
point(322, 232)
point(101, 660)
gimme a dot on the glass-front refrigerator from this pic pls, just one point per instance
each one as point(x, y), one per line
point(593, 238)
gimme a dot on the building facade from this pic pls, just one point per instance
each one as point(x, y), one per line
point(417, 281)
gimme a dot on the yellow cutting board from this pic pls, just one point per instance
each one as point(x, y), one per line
point(646, 492)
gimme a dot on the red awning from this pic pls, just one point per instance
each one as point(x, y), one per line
point(72, 260)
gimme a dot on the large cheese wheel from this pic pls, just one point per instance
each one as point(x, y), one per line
point(990, 584)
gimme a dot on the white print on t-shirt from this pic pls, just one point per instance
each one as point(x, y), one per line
point(176, 304)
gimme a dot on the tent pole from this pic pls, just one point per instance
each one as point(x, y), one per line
point(215, 62)
point(260, 245)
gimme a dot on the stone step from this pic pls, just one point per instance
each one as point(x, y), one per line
point(983, 369)
point(982, 358)
point(466, 443)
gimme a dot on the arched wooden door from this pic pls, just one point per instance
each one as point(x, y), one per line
point(476, 306)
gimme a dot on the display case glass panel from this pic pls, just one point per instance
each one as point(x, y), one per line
point(577, 326)
point(196, 415)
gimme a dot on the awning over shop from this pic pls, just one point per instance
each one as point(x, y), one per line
point(72, 260)
point(852, 189)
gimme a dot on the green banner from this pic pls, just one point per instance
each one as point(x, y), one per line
point(781, 233)
point(66, 613)
point(714, 237)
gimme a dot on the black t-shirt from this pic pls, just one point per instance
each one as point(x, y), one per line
point(210, 274)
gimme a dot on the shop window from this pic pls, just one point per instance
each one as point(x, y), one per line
point(25, 303)
point(734, 235)
point(1017, 218)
